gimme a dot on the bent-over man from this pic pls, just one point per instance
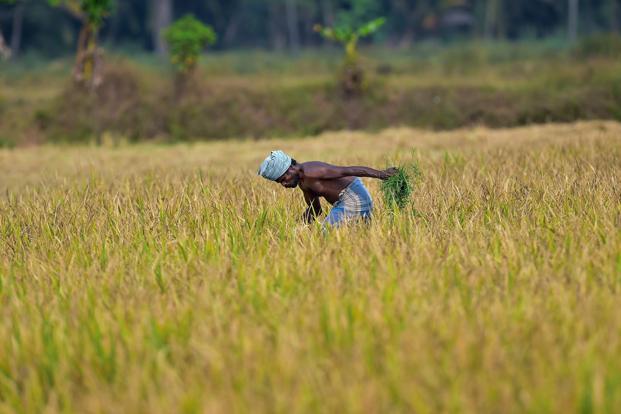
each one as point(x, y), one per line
point(340, 186)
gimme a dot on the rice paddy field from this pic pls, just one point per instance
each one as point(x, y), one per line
point(153, 278)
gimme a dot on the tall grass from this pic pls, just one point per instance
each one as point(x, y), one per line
point(172, 279)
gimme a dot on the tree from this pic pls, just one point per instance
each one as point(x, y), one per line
point(187, 38)
point(5, 51)
point(91, 13)
point(291, 8)
point(613, 10)
point(327, 12)
point(494, 27)
point(16, 31)
point(572, 20)
point(352, 75)
point(410, 18)
point(162, 18)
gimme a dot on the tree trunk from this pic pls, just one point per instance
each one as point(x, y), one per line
point(572, 20)
point(408, 13)
point(407, 38)
point(327, 13)
point(231, 28)
point(88, 64)
point(115, 20)
point(162, 18)
point(5, 52)
point(492, 19)
point(614, 16)
point(16, 33)
point(307, 26)
point(277, 40)
point(292, 25)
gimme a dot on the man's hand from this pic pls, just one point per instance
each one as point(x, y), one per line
point(389, 172)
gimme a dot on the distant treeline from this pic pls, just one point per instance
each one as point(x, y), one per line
point(36, 26)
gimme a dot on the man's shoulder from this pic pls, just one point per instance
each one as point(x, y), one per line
point(312, 169)
point(314, 164)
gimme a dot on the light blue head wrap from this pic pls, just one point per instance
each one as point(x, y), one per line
point(275, 165)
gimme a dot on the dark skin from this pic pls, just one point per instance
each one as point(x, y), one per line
point(318, 179)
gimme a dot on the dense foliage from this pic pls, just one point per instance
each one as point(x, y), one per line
point(93, 11)
point(348, 36)
point(187, 38)
point(281, 24)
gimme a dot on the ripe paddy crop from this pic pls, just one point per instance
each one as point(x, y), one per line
point(173, 279)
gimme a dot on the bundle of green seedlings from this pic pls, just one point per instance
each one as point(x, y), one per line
point(398, 188)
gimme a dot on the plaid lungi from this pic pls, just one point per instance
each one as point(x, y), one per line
point(354, 203)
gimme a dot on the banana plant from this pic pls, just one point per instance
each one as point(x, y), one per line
point(352, 76)
point(348, 36)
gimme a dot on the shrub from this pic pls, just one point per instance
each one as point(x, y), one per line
point(187, 38)
point(117, 106)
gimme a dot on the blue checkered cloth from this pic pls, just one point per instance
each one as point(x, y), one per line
point(354, 203)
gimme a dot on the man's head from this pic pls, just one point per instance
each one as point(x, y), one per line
point(281, 168)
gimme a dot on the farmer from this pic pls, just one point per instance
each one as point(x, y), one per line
point(340, 186)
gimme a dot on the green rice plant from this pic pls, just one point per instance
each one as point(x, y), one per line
point(397, 190)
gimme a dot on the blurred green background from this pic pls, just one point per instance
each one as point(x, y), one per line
point(434, 63)
point(34, 26)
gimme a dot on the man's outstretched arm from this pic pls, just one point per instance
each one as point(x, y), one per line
point(330, 172)
point(314, 207)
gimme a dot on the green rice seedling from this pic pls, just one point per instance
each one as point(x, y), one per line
point(397, 190)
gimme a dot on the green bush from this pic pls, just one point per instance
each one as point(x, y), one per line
point(121, 105)
point(187, 38)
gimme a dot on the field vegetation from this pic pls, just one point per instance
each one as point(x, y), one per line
point(259, 94)
point(153, 278)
